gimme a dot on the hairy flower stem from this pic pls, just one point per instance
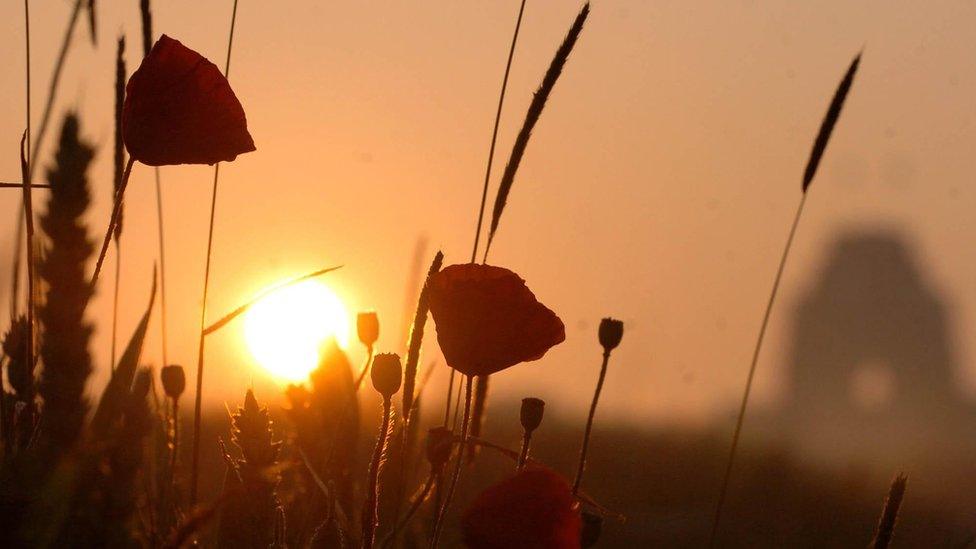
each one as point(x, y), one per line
point(439, 523)
point(198, 398)
point(752, 372)
point(370, 507)
point(589, 424)
point(116, 209)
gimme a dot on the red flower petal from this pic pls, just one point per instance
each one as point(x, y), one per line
point(487, 319)
point(535, 508)
point(179, 109)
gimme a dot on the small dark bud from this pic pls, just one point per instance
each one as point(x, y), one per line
point(439, 444)
point(368, 327)
point(531, 413)
point(174, 380)
point(611, 332)
point(592, 528)
point(387, 374)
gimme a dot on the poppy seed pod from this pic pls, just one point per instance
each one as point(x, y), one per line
point(174, 380)
point(387, 374)
point(439, 444)
point(531, 413)
point(368, 327)
point(611, 332)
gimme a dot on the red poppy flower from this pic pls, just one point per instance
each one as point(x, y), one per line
point(487, 319)
point(179, 109)
point(535, 508)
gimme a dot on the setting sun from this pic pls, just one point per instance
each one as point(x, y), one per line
point(286, 329)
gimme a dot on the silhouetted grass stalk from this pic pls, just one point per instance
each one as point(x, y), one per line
point(531, 118)
point(195, 467)
point(494, 133)
point(25, 171)
point(889, 514)
point(816, 154)
point(445, 506)
point(119, 164)
point(113, 220)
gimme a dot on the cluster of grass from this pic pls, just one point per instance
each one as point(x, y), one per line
point(116, 473)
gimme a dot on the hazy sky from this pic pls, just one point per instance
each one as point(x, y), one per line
point(657, 188)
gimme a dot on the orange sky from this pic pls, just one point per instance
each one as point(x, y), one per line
point(657, 188)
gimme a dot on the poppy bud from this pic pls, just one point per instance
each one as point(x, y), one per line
point(387, 374)
point(592, 528)
point(611, 332)
point(368, 327)
point(531, 413)
point(174, 380)
point(439, 445)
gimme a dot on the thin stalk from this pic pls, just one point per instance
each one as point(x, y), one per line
point(25, 168)
point(176, 438)
point(116, 209)
point(494, 133)
point(447, 403)
point(370, 514)
point(589, 424)
point(457, 405)
point(21, 186)
point(364, 371)
point(752, 372)
point(418, 501)
point(115, 299)
point(439, 524)
point(195, 468)
point(524, 452)
point(162, 265)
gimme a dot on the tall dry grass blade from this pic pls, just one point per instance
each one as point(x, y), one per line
point(145, 13)
point(118, 158)
point(113, 397)
point(417, 337)
point(92, 22)
point(531, 118)
point(889, 514)
point(494, 133)
point(226, 319)
point(64, 348)
point(829, 121)
point(198, 402)
point(116, 210)
point(820, 145)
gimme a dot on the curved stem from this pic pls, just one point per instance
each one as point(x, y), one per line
point(418, 500)
point(116, 209)
point(494, 133)
point(370, 515)
point(447, 404)
point(438, 525)
point(589, 424)
point(365, 370)
point(752, 372)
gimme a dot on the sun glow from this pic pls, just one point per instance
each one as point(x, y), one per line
point(285, 331)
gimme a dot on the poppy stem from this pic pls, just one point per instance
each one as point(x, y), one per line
point(524, 453)
point(589, 423)
point(162, 265)
point(439, 523)
point(370, 514)
point(450, 393)
point(116, 209)
point(115, 299)
point(494, 133)
point(365, 370)
point(752, 372)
